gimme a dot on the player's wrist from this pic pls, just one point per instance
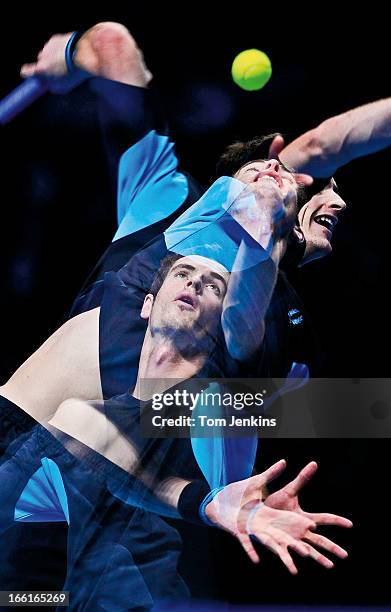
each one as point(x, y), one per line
point(209, 514)
point(71, 50)
point(208, 508)
point(191, 500)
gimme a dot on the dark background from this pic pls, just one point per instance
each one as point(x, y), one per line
point(58, 215)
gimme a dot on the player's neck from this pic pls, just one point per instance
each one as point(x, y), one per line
point(160, 362)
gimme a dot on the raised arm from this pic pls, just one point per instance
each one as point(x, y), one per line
point(253, 275)
point(141, 157)
point(338, 140)
point(131, 122)
point(106, 50)
point(268, 216)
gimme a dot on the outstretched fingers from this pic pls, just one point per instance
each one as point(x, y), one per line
point(283, 553)
point(272, 472)
point(306, 550)
point(277, 543)
point(248, 546)
point(318, 557)
point(280, 546)
point(301, 479)
point(324, 518)
point(329, 545)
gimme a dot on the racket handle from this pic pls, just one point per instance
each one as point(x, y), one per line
point(21, 97)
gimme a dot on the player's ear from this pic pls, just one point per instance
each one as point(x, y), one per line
point(303, 180)
point(147, 306)
point(298, 234)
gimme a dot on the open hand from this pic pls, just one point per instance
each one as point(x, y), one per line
point(278, 522)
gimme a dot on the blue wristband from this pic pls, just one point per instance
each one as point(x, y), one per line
point(208, 498)
point(70, 51)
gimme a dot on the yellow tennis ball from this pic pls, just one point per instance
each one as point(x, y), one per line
point(251, 69)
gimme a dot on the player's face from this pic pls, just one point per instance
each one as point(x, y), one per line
point(317, 220)
point(271, 176)
point(190, 298)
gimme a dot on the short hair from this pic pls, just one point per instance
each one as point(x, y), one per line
point(160, 276)
point(240, 153)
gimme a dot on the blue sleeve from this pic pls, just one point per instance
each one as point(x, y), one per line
point(150, 187)
point(207, 228)
point(141, 154)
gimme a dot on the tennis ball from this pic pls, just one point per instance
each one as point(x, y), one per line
point(251, 69)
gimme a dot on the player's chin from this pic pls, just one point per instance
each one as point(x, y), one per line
point(317, 250)
point(324, 248)
point(269, 188)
